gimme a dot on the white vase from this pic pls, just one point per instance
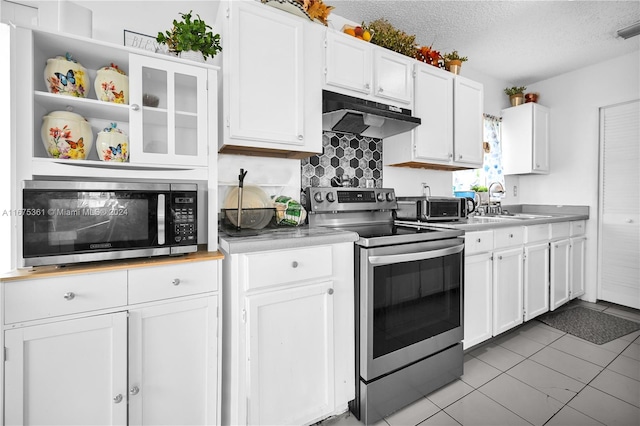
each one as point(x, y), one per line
point(192, 55)
point(112, 85)
point(64, 76)
point(66, 135)
point(112, 144)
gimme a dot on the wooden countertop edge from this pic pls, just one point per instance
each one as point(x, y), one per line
point(109, 265)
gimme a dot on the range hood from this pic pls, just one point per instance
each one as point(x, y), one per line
point(347, 114)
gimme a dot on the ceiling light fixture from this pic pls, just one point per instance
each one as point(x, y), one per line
point(630, 31)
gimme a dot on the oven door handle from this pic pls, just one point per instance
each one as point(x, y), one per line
point(411, 257)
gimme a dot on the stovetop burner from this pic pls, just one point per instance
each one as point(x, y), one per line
point(369, 213)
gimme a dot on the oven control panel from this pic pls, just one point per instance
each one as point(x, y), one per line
point(349, 199)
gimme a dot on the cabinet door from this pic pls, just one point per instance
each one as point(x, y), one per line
point(468, 107)
point(69, 372)
point(174, 132)
point(560, 270)
point(393, 76)
point(173, 368)
point(578, 251)
point(477, 299)
point(507, 290)
point(540, 139)
point(347, 63)
point(433, 103)
point(290, 346)
point(536, 280)
point(264, 67)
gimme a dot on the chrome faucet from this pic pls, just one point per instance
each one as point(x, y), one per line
point(499, 190)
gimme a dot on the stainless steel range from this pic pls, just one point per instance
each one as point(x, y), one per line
point(408, 284)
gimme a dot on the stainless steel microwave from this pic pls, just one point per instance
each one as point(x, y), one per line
point(69, 222)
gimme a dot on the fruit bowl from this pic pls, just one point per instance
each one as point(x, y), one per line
point(358, 32)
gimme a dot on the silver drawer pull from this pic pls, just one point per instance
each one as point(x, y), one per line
point(499, 257)
point(479, 240)
point(69, 295)
point(135, 107)
point(134, 390)
point(330, 291)
point(118, 398)
point(294, 264)
point(176, 281)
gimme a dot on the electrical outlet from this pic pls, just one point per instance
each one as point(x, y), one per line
point(515, 190)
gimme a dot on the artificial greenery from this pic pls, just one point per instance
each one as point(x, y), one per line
point(515, 90)
point(389, 37)
point(191, 35)
point(454, 56)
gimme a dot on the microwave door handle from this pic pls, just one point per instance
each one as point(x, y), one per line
point(161, 219)
point(411, 257)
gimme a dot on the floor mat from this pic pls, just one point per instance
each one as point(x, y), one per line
point(588, 324)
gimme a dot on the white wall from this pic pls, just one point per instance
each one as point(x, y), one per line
point(574, 99)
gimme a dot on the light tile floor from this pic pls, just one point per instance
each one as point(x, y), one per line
point(535, 375)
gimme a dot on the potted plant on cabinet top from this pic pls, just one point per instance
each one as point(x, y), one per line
point(189, 36)
point(516, 94)
point(389, 37)
point(453, 61)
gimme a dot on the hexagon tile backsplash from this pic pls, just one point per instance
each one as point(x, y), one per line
point(355, 156)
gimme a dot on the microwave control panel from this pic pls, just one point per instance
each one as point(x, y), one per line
point(184, 208)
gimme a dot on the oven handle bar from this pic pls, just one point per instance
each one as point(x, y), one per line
point(410, 257)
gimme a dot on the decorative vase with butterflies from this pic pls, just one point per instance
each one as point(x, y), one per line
point(65, 76)
point(112, 144)
point(66, 135)
point(112, 85)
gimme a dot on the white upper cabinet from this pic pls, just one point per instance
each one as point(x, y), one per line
point(171, 136)
point(348, 63)
point(175, 132)
point(393, 74)
point(358, 68)
point(271, 85)
point(468, 105)
point(434, 105)
point(451, 133)
point(525, 139)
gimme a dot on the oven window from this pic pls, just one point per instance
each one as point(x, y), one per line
point(414, 301)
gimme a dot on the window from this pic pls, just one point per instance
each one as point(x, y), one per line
point(492, 168)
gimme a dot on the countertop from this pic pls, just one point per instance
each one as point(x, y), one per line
point(547, 213)
point(247, 241)
point(109, 265)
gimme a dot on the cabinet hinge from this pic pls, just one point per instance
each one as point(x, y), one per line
point(228, 12)
point(325, 43)
point(244, 316)
point(325, 70)
point(228, 122)
point(4, 354)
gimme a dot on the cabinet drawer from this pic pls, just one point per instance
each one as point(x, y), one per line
point(70, 294)
point(288, 266)
point(577, 227)
point(163, 282)
point(478, 242)
point(507, 237)
point(560, 230)
point(535, 233)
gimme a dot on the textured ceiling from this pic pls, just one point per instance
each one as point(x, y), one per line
point(521, 42)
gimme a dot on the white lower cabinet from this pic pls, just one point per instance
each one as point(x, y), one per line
point(507, 289)
point(536, 280)
point(67, 372)
point(173, 371)
point(578, 252)
point(289, 335)
point(120, 363)
point(478, 278)
point(560, 273)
